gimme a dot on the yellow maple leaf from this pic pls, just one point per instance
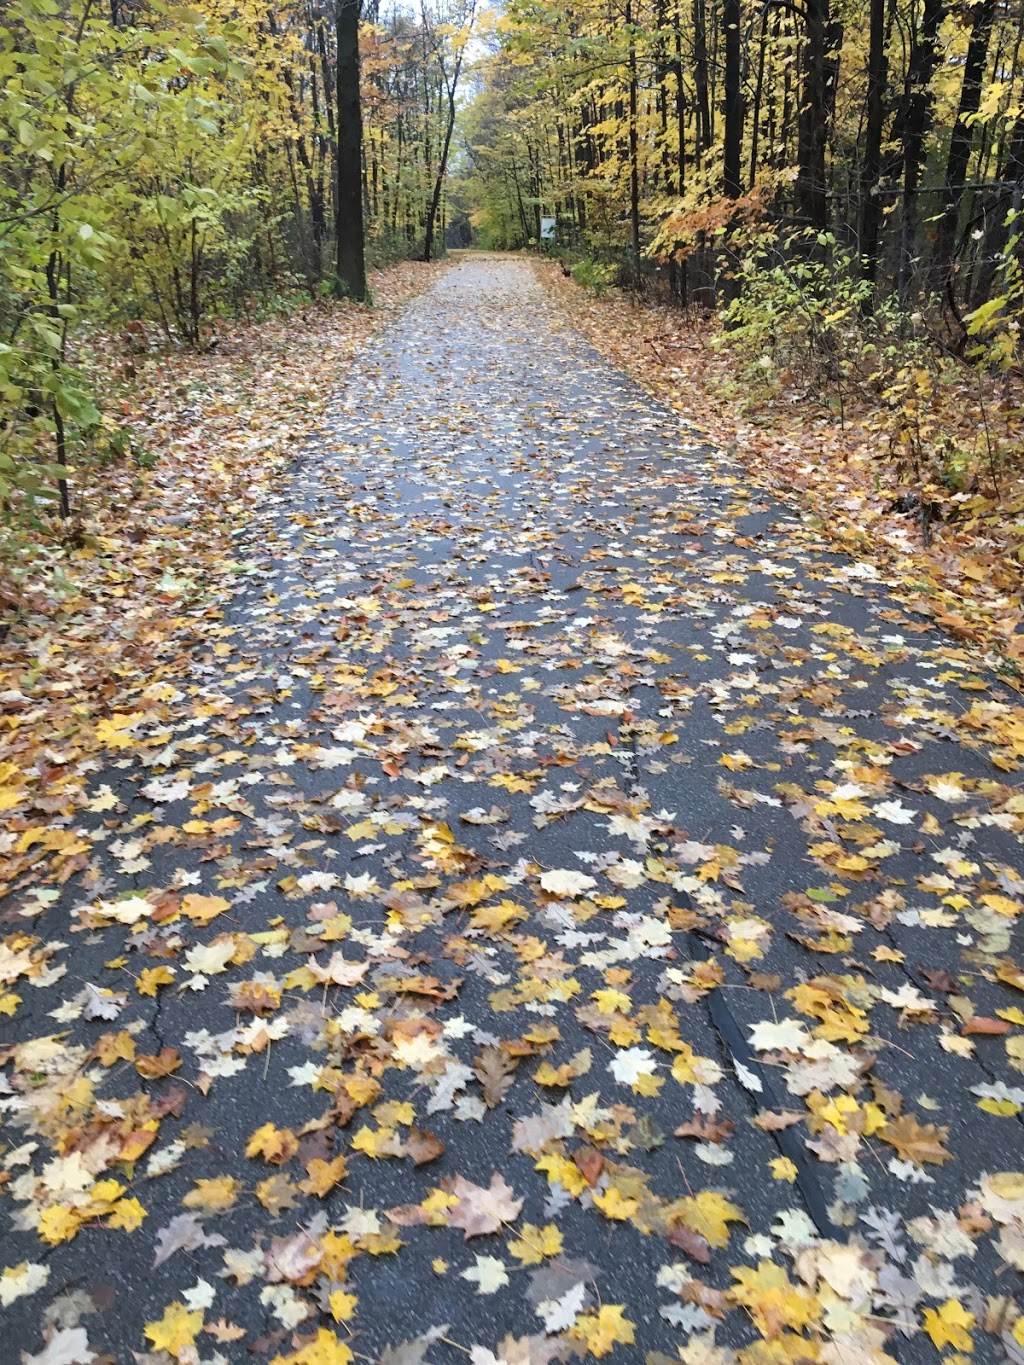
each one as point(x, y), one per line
point(176, 1330)
point(736, 762)
point(373, 1141)
point(127, 1214)
point(202, 909)
point(323, 1175)
point(114, 1047)
point(213, 1195)
point(708, 1214)
point(276, 1145)
point(113, 733)
point(337, 1251)
point(950, 1325)
point(150, 979)
point(783, 1169)
point(683, 1069)
point(615, 1206)
point(772, 1300)
point(342, 1305)
point(494, 918)
point(104, 1195)
point(58, 1224)
point(362, 1090)
point(624, 1033)
point(647, 1084)
point(393, 1112)
point(561, 1171)
point(608, 1001)
point(536, 1243)
point(604, 1330)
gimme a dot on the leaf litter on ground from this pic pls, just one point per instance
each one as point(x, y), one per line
point(557, 909)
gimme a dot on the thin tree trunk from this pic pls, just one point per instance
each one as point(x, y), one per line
point(677, 68)
point(870, 203)
point(911, 129)
point(350, 263)
point(442, 168)
point(960, 145)
point(811, 190)
point(700, 76)
point(634, 152)
point(732, 151)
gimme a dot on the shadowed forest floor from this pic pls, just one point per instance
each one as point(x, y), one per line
point(560, 909)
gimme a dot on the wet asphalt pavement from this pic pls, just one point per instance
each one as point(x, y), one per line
point(542, 790)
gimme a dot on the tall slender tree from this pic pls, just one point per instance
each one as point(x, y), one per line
point(350, 262)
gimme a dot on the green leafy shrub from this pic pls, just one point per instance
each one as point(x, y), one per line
point(592, 275)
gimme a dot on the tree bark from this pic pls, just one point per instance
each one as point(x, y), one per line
point(634, 152)
point(733, 100)
point(811, 190)
point(350, 262)
point(705, 133)
point(870, 203)
point(960, 144)
point(911, 129)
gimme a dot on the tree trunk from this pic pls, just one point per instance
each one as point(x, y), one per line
point(350, 263)
point(960, 145)
point(705, 135)
point(634, 152)
point(998, 236)
point(811, 192)
point(442, 167)
point(677, 68)
point(733, 100)
point(870, 203)
point(911, 128)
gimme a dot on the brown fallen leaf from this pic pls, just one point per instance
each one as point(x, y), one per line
point(692, 1243)
point(706, 1129)
point(590, 1163)
point(152, 1068)
point(917, 1142)
point(770, 1122)
point(224, 1331)
point(991, 1028)
point(277, 1193)
point(481, 1209)
point(423, 1146)
point(495, 1070)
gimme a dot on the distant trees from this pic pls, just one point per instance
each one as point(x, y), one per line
point(889, 129)
point(166, 164)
